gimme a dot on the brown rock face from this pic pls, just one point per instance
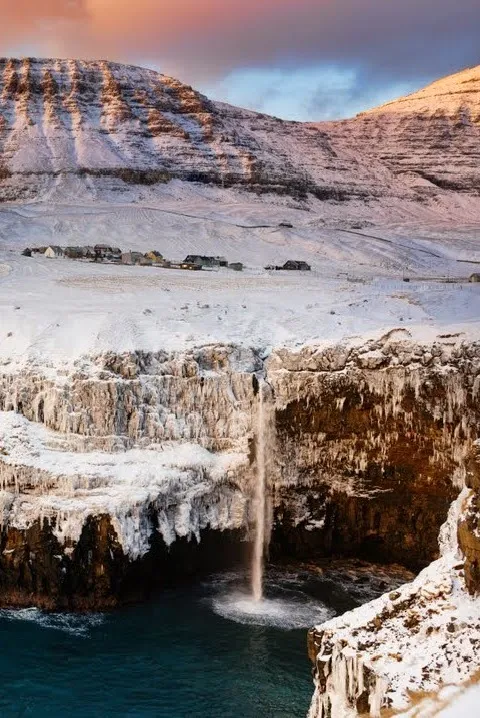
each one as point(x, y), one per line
point(469, 525)
point(367, 455)
point(95, 574)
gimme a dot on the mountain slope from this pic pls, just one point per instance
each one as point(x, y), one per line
point(101, 119)
point(433, 133)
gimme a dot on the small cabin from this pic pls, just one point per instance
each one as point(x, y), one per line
point(88, 252)
point(236, 266)
point(53, 252)
point(474, 278)
point(296, 265)
point(132, 258)
point(73, 252)
point(155, 257)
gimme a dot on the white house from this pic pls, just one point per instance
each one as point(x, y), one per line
point(54, 251)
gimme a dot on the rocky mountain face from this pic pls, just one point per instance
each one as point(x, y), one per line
point(433, 134)
point(101, 119)
point(403, 653)
point(104, 119)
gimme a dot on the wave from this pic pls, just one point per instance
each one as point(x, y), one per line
point(78, 625)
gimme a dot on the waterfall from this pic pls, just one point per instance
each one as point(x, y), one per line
point(264, 443)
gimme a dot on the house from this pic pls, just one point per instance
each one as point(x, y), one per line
point(132, 257)
point(475, 277)
point(155, 257)
point(115, 255)
point(236, 266)
point(297, 265)
point(27, 252)
point(199, 259)
point(205, 261)
point(53, 252)
point(292, 264)
point(88, 252)
point(73, 252)
point(101, 251)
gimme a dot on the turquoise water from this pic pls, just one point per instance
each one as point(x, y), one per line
point(203, 652)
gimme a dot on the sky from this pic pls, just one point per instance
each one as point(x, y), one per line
point(297, 59)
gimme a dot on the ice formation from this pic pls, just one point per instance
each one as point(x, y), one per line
point(125, 409)
point(416, 640)
point(190, 488)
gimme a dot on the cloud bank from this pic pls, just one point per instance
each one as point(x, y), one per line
point(203, 41)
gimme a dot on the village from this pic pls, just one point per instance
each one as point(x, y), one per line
point(153, 258)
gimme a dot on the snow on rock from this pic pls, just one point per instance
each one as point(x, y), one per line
point(412, 641)
point(102, 119)
point(203, 396)
point(189, 487)
point(95, 127)
point(429, 138)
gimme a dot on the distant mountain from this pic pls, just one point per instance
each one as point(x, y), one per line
point(136, 126)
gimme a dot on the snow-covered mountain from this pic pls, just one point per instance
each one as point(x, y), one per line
point(102, 118)
point(105, 119)
point(432, 134)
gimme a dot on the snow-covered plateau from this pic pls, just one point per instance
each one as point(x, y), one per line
point(129, 395)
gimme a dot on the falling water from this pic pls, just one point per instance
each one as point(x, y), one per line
point(261, 504)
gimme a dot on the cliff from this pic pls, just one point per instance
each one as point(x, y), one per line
point(375, 660)
point(160, 448)
point(407, 653)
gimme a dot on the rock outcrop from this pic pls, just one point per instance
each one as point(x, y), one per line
point(411, 643)
point(469, 526)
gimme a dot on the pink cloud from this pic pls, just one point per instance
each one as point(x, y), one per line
point(200, 39)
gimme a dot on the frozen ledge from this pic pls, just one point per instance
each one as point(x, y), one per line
point(417, 640)
point(177, 488)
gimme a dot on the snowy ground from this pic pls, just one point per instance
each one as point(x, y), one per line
point(57, 310)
